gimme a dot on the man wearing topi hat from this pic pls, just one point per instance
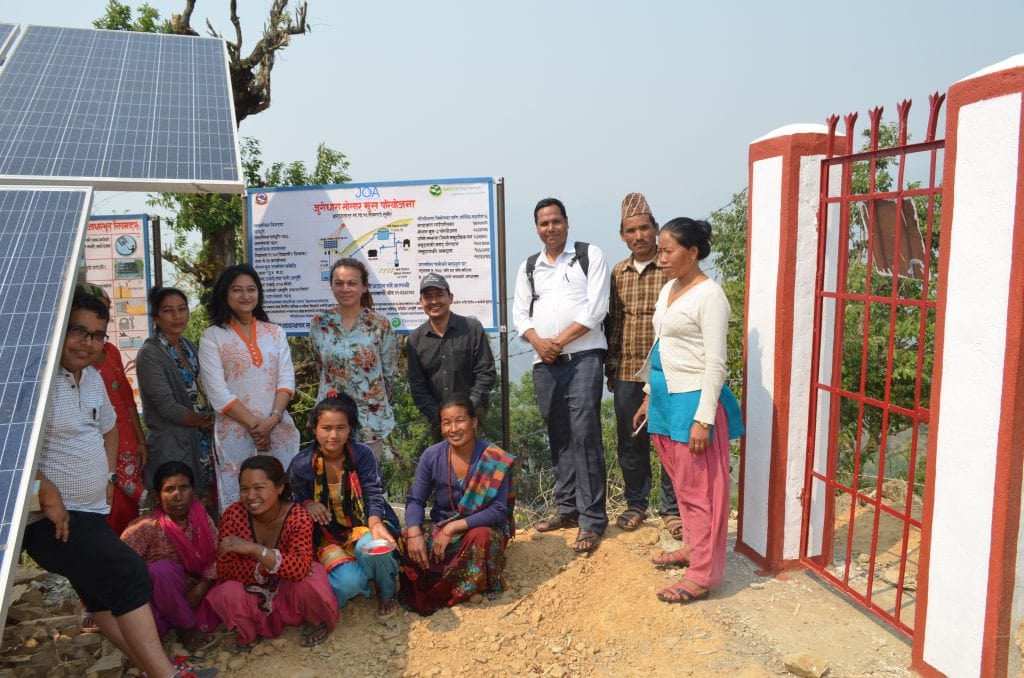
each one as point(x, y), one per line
point(449, 355)
point(635, 284)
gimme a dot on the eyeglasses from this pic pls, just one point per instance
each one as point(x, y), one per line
point(80, 333)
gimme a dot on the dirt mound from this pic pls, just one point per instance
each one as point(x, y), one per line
point(598, 616)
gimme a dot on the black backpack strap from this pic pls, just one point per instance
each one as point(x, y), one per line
point(583, 256)
point(531, 263)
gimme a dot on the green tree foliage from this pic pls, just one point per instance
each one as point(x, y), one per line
point(729, 242)
point(863, 370)
point(118, 17)
point(217, 219)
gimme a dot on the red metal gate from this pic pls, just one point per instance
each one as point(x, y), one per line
point(872, 361)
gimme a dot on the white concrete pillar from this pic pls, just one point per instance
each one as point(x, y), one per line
point(969, 603)
point(782, 242)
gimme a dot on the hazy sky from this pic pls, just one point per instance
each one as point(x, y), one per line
point(586, 100)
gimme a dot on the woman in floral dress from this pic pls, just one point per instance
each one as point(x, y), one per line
point(356, 351)
point(246, 367)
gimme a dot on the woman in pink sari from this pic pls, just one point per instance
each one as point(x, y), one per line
point(178, 541)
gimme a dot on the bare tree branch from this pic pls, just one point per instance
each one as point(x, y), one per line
point(184, 265)
point(250, 76)
point(238, 26)
point(182, 23)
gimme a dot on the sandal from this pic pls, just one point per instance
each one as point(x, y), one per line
point(586, 541)
point(195, 643)
point(315, 635)
point(674, 525)
point(245, 648)
point(556, 522)
point(669, 560)
point(677, 593)
point(630, 519)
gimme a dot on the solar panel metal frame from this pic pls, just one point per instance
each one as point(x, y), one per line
point(141, 184)
point(7, 37)
point(11, 551)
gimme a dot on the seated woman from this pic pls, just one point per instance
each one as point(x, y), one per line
point(267, 577)
point(462, 551)
point(178, 541)
point(337, 481)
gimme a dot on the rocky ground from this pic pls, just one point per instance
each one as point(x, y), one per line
point(564, 616)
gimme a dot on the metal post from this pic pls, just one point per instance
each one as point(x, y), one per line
point(245, 228)
point(158, 255)
point(506, 420)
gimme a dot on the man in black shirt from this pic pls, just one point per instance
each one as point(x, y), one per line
point(448, 355)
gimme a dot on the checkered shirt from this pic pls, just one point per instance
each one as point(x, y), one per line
point(630, 311)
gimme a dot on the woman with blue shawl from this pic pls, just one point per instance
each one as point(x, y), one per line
point(460, 551)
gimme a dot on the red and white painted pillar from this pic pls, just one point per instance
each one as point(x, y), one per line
point(782, 248)
point(972, 586)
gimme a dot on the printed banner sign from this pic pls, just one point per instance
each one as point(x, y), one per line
point(117, 259)
point(400, 230)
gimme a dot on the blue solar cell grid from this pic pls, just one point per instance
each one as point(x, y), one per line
point(40, 232)
point(118, 109)
point(6, 31)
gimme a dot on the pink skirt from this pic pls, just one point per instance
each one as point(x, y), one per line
point(309, 601)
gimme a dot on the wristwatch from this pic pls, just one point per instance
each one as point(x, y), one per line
point(112, 478)
point(702, 424)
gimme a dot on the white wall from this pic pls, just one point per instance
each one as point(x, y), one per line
point(763, 272)
point(972, 377)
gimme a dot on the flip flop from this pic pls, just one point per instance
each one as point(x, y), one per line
point(315, 635)
point(677, 593)
point(669, 560)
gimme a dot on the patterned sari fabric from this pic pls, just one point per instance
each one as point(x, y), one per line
point(473, 563)
point(474, 560)
point(189, 370)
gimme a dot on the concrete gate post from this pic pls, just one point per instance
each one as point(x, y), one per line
point(782, 242)
point(970, 598)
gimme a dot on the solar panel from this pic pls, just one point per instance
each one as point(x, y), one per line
point(41, 235)
point(118, 110)
point(7, 31)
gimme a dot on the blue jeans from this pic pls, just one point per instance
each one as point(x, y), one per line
point(635, 453)
point(569, 396)
point(353, 579)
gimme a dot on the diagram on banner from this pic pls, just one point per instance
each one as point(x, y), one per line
point(116, 252)
point(400, 231)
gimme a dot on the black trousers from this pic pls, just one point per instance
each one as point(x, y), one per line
point(635, 453)
point(104, 571)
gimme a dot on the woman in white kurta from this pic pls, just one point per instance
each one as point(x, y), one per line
point(248, 376)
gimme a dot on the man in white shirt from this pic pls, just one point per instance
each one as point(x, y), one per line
point(70, 534)
point(561, 299)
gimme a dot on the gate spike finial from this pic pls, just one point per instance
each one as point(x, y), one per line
point(831, 121)
point(850, 119)
point(876, 118)
point(934, 104)
point(903, 111)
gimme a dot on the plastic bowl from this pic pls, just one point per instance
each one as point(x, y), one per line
point(378, 547)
